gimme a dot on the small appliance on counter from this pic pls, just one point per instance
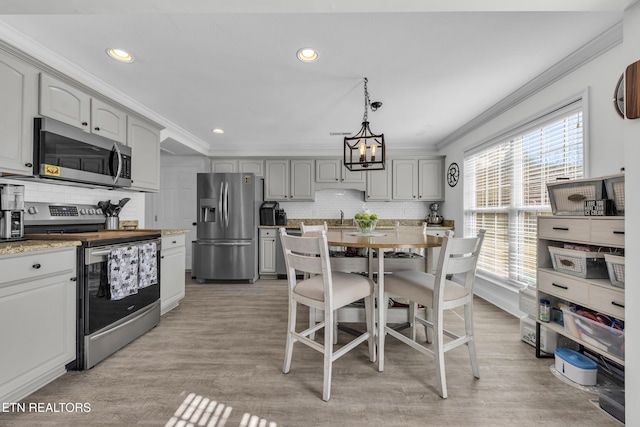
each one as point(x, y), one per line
point(281, 217)
point(434, 217)
point(11, 212)
point(268, 213)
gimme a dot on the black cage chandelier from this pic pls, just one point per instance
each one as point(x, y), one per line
point(365, 151)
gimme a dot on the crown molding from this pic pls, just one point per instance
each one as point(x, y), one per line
point(596, 47)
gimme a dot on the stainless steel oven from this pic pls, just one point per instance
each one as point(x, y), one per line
point(107, 324)
point(106, 321)
point(63, 152)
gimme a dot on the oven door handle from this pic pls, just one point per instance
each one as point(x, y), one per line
point(117, 150)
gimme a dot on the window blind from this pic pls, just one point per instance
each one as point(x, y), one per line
point(505, 188)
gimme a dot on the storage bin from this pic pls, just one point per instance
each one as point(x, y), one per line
point(548, 338)
point(615, 267)
point(587, 265)
point(527, 302)
point(567, 197)
point(575, 366)
point(614, 187)
point(600, 336)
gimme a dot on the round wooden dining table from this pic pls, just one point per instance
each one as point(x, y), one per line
point(401, 237)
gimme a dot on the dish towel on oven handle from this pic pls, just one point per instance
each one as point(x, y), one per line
point(123, 272)
point(148, 265)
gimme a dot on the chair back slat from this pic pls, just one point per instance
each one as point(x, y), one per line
point(458, 257)
point(308, 255)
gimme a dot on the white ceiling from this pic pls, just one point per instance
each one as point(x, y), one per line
point(199, 65)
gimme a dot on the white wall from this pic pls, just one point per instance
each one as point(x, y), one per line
point(53, 193)
point(631, 134)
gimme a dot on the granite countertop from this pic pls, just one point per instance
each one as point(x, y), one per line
point(7, 248)
point(348, 223)
point(169, 232)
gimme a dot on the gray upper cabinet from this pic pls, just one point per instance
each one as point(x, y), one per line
point(289, 180)
point(108, 121)
point(405, 179)
point(332, 171)
point(254, 166)
point(431, 179)
point(68, 104)
point(379, 185)
point(144, 140)
point(18, 107)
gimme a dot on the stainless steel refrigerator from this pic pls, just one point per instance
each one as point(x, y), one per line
point(225, 249)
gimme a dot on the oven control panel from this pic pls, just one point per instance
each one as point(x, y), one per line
point(52, 213)
point(63, 210)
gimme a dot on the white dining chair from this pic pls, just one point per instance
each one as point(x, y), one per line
point(326, 290)
point(312, 311)
point(458, 260)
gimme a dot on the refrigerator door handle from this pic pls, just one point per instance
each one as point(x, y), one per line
point(221, 202)
point(226, 203)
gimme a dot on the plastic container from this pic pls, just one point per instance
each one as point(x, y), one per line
point(615, 267)
point(545, 310)
point(584, 264)
point(598, 335)
point(577, 367)
point(548, 338)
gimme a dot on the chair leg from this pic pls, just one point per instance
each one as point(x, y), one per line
point(439, 352)
point(312, 322)
point(428, 315)
point(370, 316)
point(413, 306)
point(291, 327)
point(468, 322)
point(335, 327)
point(328, 354)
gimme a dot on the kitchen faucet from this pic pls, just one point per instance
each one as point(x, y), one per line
point(341, 217)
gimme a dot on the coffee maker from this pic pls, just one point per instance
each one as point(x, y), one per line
point(11, 212)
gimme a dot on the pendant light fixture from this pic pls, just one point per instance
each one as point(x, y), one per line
point(365, 151)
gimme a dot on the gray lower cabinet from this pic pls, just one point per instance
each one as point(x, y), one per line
point(267, 263)
point(172, 271)
point(37, 319)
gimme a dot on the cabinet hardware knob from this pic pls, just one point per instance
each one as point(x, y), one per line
point(96, 128)
point(36, 266)
point(162, 257)
point(74, 279)
point(618, 232)
point(84, 123)
point(29, 165)
point(174, 242)
point(561, 228)
point(560, 286)
point(617, 304)
point(194, 223)
point(336, 179)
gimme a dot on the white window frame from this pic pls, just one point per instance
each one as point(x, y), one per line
point(567, 107)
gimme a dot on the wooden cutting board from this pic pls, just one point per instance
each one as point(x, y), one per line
point(95, 235)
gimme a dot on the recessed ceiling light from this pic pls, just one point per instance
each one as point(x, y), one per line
point(307, 54)
point(216, 130)
point(120, 55)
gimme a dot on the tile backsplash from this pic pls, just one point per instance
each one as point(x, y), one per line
point(53, 193)
point(328, 204)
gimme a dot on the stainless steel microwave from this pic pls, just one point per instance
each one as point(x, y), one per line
point(63, 152)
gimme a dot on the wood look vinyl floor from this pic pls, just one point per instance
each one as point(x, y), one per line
point(217, 360)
